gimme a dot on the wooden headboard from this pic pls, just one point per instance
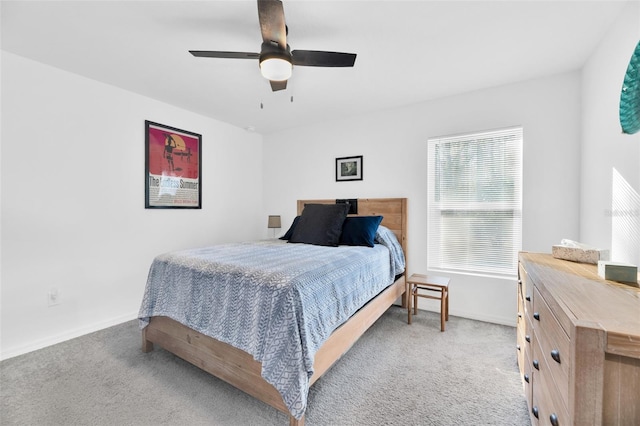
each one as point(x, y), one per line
point(392, 210)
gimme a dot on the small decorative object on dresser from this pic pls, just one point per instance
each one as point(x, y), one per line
point(578, 252)
point(617, 271)
point(578, 344)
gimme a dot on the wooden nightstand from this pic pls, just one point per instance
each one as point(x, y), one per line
point(432, 284)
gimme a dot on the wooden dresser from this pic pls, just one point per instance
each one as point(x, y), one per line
point(578, 344)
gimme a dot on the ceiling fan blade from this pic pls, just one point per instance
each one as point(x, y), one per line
point(272, 25)
point(278, 85)
point(317, 58)
point(215, 54)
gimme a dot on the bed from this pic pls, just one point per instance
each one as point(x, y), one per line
point(254, 365)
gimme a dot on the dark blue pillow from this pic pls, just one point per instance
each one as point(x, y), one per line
point(320, 224)
point(287, 235)
point(360, 230)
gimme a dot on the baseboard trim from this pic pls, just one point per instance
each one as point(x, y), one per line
point(68, 335)
point(474, 316)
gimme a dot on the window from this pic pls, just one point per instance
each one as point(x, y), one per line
point(475, 202)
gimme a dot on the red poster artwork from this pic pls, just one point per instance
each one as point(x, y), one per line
point(173, 167)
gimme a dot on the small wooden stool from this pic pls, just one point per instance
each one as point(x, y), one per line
point(430, 283)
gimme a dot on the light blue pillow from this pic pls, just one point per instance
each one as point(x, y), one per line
point(387, 238)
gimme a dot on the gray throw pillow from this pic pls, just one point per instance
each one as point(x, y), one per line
point(320, 224)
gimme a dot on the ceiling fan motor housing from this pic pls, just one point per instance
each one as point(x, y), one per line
point(275, 62)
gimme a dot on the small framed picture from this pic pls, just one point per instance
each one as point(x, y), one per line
point(349, 168)
point(173, 163)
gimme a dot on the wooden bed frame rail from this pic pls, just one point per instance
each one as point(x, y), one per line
point(239, 369)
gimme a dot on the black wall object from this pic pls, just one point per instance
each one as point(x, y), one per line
point(353, 204)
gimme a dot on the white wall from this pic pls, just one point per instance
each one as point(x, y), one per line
point(605, 148)
point(73, 213)
point(72, 166)
point(300, 164)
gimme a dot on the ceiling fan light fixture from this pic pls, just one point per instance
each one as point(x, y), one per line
point(276, 68)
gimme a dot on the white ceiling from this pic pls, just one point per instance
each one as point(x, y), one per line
point(408, 51)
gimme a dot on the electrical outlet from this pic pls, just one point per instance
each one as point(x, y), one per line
point(53, 297)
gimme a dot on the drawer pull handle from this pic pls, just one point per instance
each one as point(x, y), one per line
point(528, 298)
point(554, 419)
point(519, 314)
point(536, 315)
point(519, 281)
point(534, 410)
point(518, 347)
point(536, 364)
point(527, 338)
point(526, 378)
point(555, 354)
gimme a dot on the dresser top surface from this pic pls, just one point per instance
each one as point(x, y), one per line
point(585, 297)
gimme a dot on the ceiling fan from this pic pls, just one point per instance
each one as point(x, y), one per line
point(276, 58)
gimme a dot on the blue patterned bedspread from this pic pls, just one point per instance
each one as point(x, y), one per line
point(275, 300)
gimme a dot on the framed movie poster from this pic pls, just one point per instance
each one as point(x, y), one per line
point(349, 168)
point(173, 165)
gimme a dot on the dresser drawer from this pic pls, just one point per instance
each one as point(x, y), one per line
point(554, 345)
point(521, 330)
point(528, 377)
point(547, 404)
point(523, 346)
point(526, 288)
point(520, 345)
point(520, 305)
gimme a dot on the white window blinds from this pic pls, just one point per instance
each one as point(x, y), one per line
point(475, 202)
